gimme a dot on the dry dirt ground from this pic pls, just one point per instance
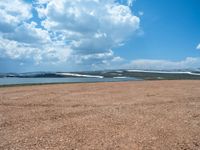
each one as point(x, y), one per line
point(138, 115)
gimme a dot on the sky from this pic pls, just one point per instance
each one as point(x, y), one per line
point(78, 35)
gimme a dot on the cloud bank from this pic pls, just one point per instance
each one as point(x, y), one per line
point(65, 31)
point(148, 64)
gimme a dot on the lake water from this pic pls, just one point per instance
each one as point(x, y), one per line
point(18, 81)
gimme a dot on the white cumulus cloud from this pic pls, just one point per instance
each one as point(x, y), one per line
point(91, 26)
point(130, 2)
point(141, 13)
point(13, 13)
point(28, 33)
point(83, 31)
point(198, 46)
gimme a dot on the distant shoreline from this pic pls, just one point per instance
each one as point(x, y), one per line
point(116, 75)
point(59, 83)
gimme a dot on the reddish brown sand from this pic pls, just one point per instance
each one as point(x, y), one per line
point(139, 115)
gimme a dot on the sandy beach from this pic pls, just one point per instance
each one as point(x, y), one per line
point(138, 115)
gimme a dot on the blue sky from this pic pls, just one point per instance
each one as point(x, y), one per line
point(171, 30)
point(65, 35)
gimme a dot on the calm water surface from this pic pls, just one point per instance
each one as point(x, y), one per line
point(14, 81)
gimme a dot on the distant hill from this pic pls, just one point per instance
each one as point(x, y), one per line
point(142, 74)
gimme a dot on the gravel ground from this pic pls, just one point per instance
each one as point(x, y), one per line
point(139, 115)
